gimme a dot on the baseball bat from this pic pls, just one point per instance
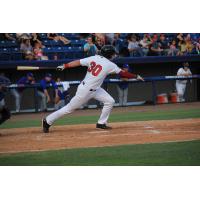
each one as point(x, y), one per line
point(22, 68)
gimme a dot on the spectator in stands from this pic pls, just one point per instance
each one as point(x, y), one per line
point(173, 51)
point(43, 93)
point(189, 46)
point(38, 52)
point(179, 38)
point(99, 44)
point(9, 37)
point(17, 93)
point(56, 37)
point(122, 87)
point(133, 46)
point(90, 48)
point(23, 36)
point(6, 36)
point(100, 36)
point(145, 42)
point(197, 46)
point(35, 38)
point(181, 84)
point(155, 48)
point(109, 38)
point(117, 43)
point(163, 44)
point(182, 47)
point(27, 49)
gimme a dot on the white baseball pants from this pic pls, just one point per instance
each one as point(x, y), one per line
point(180, 88)
point(83, 95)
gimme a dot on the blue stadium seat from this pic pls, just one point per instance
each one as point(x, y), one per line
point(11, 44)
point(43, 35)
point(5, 54)
point(2, 43)
point(47, 43)
point(16, 54)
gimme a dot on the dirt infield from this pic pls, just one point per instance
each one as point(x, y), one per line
point(75, 136)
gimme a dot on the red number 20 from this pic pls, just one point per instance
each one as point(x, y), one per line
point(94, 68)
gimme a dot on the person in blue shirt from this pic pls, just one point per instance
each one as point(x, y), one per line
point(122, 87)
point(17, 92)
point(90, 48)
point(4, 111)
point(43, 93)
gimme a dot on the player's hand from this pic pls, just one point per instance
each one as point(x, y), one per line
point(139, 78)
point(60, 68)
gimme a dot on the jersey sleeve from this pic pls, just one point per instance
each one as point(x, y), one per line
point(85, 61)
point(114, 69)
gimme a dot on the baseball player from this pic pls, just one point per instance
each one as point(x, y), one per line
point(181, 84)
point(17, 93)
point(4, 111)
point(63, 93)
point(99, 66)
point(43, 91)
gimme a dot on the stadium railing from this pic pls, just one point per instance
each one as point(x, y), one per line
point(152, 80)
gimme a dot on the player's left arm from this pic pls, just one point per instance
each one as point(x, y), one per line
point(128, 75)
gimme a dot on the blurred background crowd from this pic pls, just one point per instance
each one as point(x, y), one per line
point(55, 46)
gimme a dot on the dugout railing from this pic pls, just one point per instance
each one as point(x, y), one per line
point(152, 80)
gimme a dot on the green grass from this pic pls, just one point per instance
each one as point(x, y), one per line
point(175, 153)
point(122, 117)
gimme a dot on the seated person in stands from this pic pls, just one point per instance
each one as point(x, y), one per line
point(190, 48)
point(23, 36)
point(4, 111)
point(43, 91)
point(155, 48)
point(122, 87)
point(27, 49)
point(197, 46)
point(17, 93)
point(90, 48)
point(35, 38)
point(145, 43)
point(98, 42)
point(134, 47)
point(164, 44)
point(38, 52)
point(173, 50)
point(9, 37)
point(117, 43)
point(56, 37)
point(182, 47)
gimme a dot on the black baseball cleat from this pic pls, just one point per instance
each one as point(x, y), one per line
point(45, 126)
point(103, 126)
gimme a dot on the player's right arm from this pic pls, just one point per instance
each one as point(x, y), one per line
point(75, 63)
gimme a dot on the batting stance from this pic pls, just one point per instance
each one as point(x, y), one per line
point(99, 66)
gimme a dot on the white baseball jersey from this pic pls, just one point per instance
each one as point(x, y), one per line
point(98, 68)
point(181, 72)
